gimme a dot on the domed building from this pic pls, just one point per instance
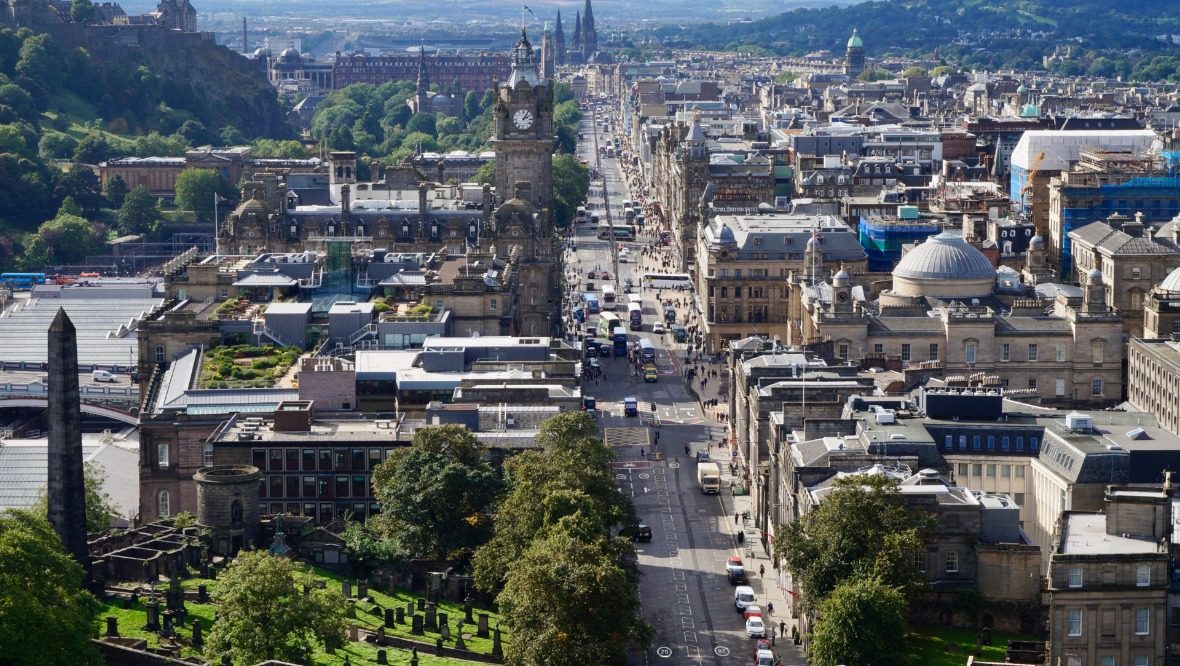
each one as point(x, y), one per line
point(949, 312)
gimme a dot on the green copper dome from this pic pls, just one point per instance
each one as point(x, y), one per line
point(854, 40)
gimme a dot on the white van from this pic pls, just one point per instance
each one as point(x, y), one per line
point(103, 376)
point(743, 597)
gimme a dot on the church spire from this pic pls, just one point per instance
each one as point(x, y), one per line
point(423, 89)
point(589, 34)
point(559, 40)
point(577, 45)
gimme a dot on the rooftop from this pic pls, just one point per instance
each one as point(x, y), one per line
point(1085, 534)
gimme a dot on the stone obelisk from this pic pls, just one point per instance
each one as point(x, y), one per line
point(66, 490)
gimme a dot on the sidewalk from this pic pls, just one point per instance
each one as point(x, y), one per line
point(767, 588)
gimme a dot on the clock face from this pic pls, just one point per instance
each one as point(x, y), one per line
point(523, 119)
point(515, 233)
point(842, 296)
point(454, 233)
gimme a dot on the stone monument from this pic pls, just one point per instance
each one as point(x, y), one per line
point(66, 490)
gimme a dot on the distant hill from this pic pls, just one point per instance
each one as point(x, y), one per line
point(954, 27)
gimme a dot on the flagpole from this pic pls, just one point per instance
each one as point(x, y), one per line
point(216, 230)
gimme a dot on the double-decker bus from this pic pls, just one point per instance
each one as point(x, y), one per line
point(635, 316)
point(22, 280)
point(619, 338)
point(607, 321)
point(592, 305)
point(647, 351)
point(622, 232)
point(608, 296)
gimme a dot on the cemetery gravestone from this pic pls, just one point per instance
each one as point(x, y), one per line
point(482, 630)
point(389, 618)
point(112, 625)
point(416, 628)
point(497, 649)
point(198, 639)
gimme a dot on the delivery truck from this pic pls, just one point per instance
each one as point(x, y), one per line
point(709, 477)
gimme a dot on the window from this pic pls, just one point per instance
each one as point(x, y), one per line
point(1020, 447)
point(1032, 353)
point(162, 456)
point(1096, 388)
point(933, 351)
point(1106, 661)
point(977, 469)
point(962, 469)
point(492, 304)
point(159, 353)
point(905, 352)
point(991, 443)
point(164, 504)
point(1142, 621)
point(1032, 383)
point(970, 355)
point(920, 561)
point(1075, 576)
point(975, 441)
point(1018, 498)
point(952, 562)
point(962, 441)
point(844, 353)
point(1004, 443)
point(1060, 353)
point(1136, 273)
point(1142, 661)
point(1073, 660)
point(207, 455)
point(1098, 351)
point(258, 458)
point(1073, 622)
point(1032, 443)
point(1005, 471)
point(878, 348)
point(1005, 352)
point(1143, 575)
point(950, 442)
point(991, 471)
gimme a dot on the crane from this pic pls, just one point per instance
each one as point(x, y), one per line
point(1032, 173)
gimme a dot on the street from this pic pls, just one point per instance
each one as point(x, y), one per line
point(685, 593)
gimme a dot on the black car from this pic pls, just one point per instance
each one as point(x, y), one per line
point(641, 533)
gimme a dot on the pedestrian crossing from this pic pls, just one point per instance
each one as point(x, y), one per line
point(627, 437)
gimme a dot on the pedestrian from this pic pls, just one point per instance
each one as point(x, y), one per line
point(762, 570)
point(736, 517)
point(782, 628)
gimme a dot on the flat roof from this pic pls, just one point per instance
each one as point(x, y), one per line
point(105, 329)
point(1085, 534)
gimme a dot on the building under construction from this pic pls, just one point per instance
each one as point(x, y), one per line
point(883, 236)
point(1106, 181)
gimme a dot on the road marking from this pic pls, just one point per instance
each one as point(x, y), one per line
point(721, 651)
point(664, 652)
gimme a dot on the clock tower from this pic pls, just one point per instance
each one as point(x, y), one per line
point(522, 136)
point(522, 227)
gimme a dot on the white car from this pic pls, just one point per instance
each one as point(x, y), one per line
point(658, 328)
point(765, 658)
point(755, 628)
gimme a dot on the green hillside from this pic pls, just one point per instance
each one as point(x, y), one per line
point(972, 32)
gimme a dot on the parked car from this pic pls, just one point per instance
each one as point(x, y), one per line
point(592, 274)
point(763, 657)
point(752, 611)
point(755, 628)
point(703, 456)
point(760, 645)
point(743, 596)
point(643, 534)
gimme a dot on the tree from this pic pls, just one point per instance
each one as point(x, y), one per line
point(81, 183)
point(571, 459)
point(438, 494)
point(140, 211)
point(471, 107)
point(875, 75)
point(115, 190)
point(100, 508)
point(366, 549)
point(424, 122)
point(82, 11)
point(785, 77)
point(486, 173)
point(862, 529)
point(45, 615)
point(569, 602)
point(195, 189)
point(66, 239)
point(571, 182)
point(262, 614)
point(862, 622)
point(914, 71)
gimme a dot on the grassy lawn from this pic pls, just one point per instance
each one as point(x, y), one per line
point(245, 364)
point(368, 616)
point(947, 646)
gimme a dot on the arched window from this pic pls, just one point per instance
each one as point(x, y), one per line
point(165, 504)
point(159, 353)
point(235, 513)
